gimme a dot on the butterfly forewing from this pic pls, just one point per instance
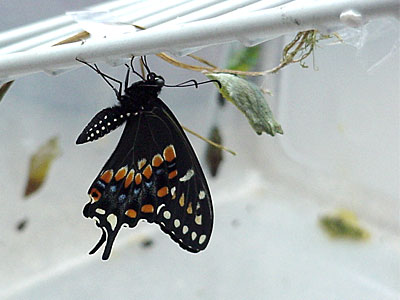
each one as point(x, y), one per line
point(153, 174)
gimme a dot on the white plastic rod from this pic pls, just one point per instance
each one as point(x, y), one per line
point(207, 11)
point(53, 35)
point(37, 28)
point(295, 16)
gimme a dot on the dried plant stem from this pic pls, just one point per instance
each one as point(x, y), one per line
point(202, 60)
point(208, 141)
point(289, 57)
point(180, 64)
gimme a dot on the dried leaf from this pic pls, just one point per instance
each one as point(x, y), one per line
point(244, 59)
point(221, 100)
point(250, 100)
point(40, 164)
point(343, 224)
point(147, 243)
point(214, 155)
point(4, 88)
point(21, 225)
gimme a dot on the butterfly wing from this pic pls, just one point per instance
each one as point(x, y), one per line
point(153, 174)
point(103, 123)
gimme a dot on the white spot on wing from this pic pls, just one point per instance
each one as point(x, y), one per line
point(177, 223)
point(202, 239)
point(173, 190)
point(189, 174)
point(112, 219)
point(141, 163)
point(194, 235)
point(198, 220)
point(159, 207)
point(202, 195)
point(167, 215)
point(185, 229)
point(100, 211)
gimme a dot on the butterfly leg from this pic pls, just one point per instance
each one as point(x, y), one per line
point(105, 77)
point(127, 77)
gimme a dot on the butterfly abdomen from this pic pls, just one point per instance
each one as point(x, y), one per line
point(103, 123)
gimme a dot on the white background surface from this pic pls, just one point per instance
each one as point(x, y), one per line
point(340, 150)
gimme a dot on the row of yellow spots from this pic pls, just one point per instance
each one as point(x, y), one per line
point(189, 209)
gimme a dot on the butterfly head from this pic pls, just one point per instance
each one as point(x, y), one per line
point(148, 88)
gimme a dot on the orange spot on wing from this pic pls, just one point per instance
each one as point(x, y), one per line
point(162, 192)
point(131, 213)
point(121, 173)
point(129, 178)
point(147, 208)
point(172, 174)
point(107, 176)
point(189, 208)
point(182, 200)
point(147, 172)
point(95, 194)
point(169, 153)
point(138, 179)
point(157, 160)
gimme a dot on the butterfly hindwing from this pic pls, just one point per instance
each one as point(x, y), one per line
point(188, 216)
point(153, 174)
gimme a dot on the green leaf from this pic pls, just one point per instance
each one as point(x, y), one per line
point(40, 164)
point(343, 224)
point(250, 100)
point(244, 59)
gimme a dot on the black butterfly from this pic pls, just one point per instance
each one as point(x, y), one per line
point(153, 174)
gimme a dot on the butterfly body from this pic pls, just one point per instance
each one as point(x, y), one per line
point(153, 174)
